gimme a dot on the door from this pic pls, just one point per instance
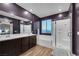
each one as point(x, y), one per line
point(63, 34)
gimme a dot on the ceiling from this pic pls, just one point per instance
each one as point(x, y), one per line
point(13, 16)
point(45, 9)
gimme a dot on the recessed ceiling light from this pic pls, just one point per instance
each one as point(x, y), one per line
point(30, 21)
point(11, 14)
point(7, 3)
point(25, 12)
point(59, 9)
point(60, 15)
point(31, 10)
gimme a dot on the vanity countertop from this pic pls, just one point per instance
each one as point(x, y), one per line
point(13, 36)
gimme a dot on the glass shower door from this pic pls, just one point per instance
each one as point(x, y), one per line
point(63, 34)
point(62, 37)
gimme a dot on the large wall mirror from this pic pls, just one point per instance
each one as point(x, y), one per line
point(5, 26)
point(4, 29)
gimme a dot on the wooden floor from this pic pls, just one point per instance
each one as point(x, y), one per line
point(38, 51)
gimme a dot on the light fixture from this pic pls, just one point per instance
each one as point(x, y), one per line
point(60, 15)
point(7, 30)
point(11, 14)
point(31, 10)
point(25, 12)
point(30, 21)
point(59, 9)
point(7, 3)
point(0, 31)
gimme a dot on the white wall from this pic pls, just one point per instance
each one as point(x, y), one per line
point(53, 34)
point(44, 40)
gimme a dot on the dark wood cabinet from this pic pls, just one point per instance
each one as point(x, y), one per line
point(15, 47)
point(25, 43)
point(10, 47)
point(28, 42)
point(32, 41)
point(3, 48)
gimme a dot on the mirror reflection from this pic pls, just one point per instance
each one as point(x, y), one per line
point(4, 29)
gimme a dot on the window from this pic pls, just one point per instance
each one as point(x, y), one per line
point(46, 26)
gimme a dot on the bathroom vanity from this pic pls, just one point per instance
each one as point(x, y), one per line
point(16, 44)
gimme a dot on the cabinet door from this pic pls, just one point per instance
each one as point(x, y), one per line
point(3, 48)
point(14, 47)
point(10, 48)
point(25, 44)
point(17, 46)
point(0, 49)
point(32, 41)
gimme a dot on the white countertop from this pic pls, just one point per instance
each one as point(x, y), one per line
point(13, 36)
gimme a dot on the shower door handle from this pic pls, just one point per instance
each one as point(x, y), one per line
point(69, 34)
